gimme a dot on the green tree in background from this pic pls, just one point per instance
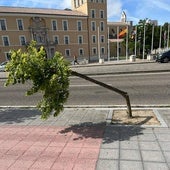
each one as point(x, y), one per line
point(157, 34)
point(48, 76)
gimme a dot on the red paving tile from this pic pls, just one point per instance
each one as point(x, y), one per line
point(83, 164)
point(56, 148)
point(63, 164)
point(20, 164)
point(89, 153)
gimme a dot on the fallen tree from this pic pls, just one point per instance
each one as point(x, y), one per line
point(48, 76)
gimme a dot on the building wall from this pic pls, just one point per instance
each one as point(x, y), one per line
point(40, 27)
point(14, 42)
point(93, 8)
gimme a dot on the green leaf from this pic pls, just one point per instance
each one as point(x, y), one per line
point(48, 76)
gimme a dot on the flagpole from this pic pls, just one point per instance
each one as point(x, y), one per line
point(118, 43)
point(135, 39)
point(168, 37)
point(160, 39)
point(127, 41)
point(108, 46)
point(152, 38)
point(144, 41)
point(99, 45)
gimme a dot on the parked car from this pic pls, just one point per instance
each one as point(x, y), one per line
point(164, 57)
point(2, 66)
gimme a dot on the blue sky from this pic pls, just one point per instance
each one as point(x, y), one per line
point(134, 9)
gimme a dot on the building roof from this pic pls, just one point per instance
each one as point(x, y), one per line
point(118, 23)
point(40, 11)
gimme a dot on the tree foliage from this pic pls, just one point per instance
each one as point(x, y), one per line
point(48, 76)
point(149, 30)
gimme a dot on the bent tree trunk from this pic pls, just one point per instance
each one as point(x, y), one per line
point(122, 93)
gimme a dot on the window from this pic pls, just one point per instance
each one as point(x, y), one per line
point(20, 24)
point(102, 50)
point(56, 40)
point(79, 25)
point(81, 52)
point(93, 26)
point(67, 52)
point(65, 25)
point(2, 24)
point(101, 14)
point(54, 25)
point(80, 39)
point(102, 26)
point(66, 39)
point(5, 40)
point(8, 56)
point(94, 51)
point(93, 15)
point(102, 38)
point(94, 38)
point(22, 40)
point(52, 52)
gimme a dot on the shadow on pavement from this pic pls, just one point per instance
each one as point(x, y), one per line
point(108, 133)
point(13, 116)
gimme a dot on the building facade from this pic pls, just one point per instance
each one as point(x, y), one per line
point(80, 31)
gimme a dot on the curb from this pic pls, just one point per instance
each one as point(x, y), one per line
point(166, 106)
point(130, 72)
point(116, 73)
point(111, 63)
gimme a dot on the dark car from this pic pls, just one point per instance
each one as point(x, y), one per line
point(164, 57)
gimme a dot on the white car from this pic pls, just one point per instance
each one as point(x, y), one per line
point(2, 66)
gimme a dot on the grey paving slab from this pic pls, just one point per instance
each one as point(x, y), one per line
point(153, 146)
point(131, 165)
point(167, 156)
point(147, 137)
point(129, 145)
point(137, 147)
point(104, 164)
point(109, 154)
point(165, 146)
point(130, 154)
point(152, 156)
point(155, 166)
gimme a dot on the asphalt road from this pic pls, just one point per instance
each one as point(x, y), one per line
point(143, 89)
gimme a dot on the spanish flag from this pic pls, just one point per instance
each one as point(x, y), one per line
point(123, 33)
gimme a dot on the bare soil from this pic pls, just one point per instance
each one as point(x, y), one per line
point(140, 117)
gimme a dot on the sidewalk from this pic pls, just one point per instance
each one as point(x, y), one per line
point(121, 67)
point(116, 67)
point(80, 139)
